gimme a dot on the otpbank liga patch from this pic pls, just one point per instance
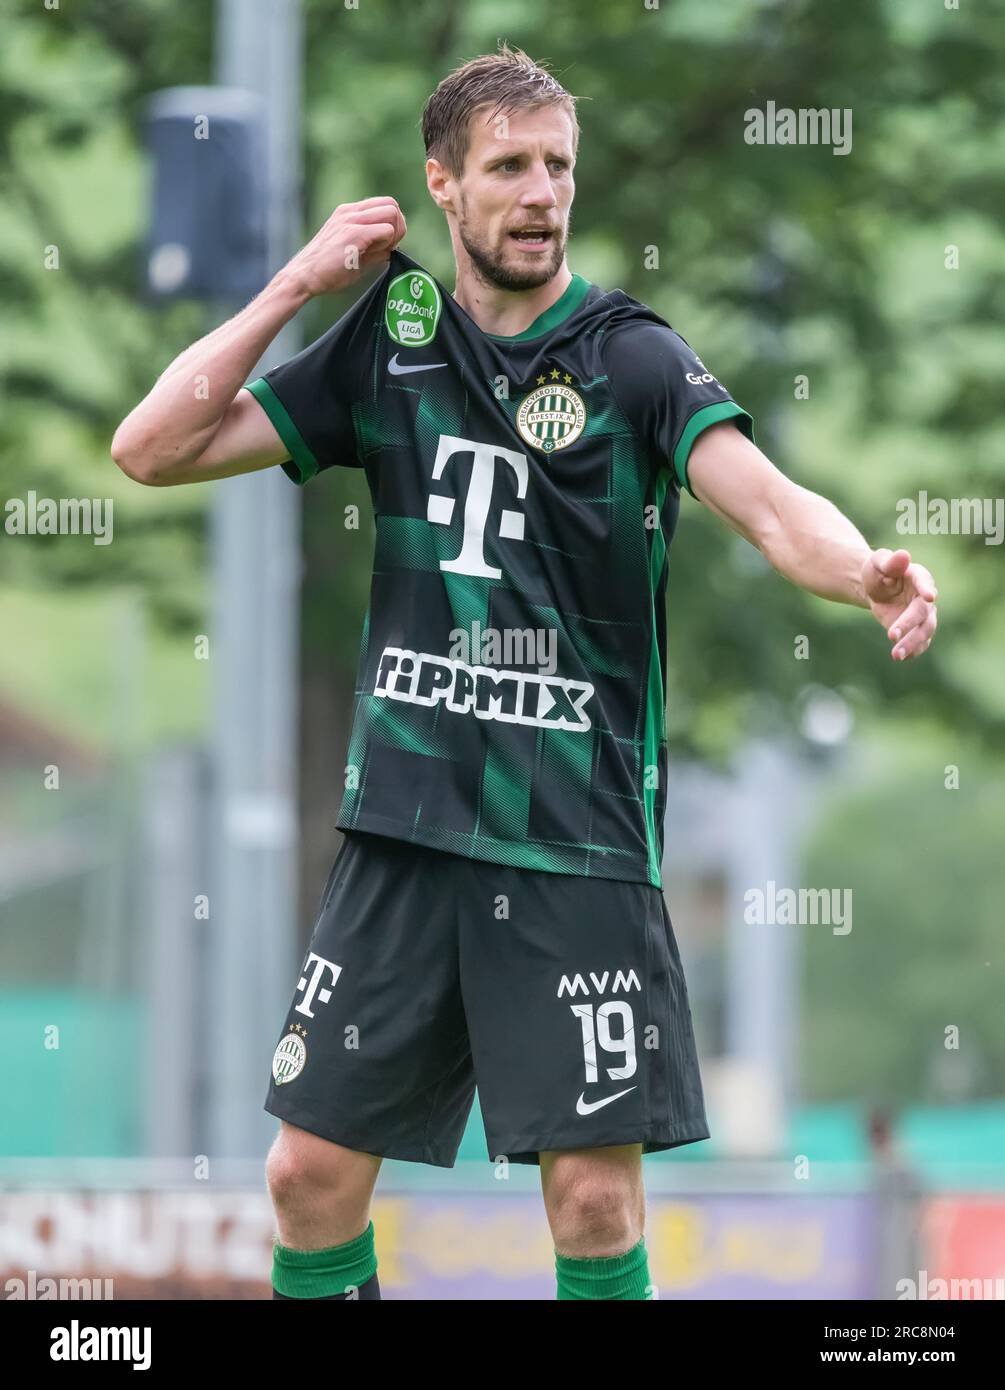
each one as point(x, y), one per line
point(413, 309)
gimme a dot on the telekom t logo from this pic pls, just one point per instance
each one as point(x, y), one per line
point(311, 979)
point(440, 510)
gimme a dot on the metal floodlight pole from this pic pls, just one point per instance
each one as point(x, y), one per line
point(256, 573)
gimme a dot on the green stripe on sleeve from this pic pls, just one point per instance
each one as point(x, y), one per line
point(304, 462)
point(700, 420)
point(655, 725)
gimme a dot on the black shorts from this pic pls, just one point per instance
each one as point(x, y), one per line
point(427, 973)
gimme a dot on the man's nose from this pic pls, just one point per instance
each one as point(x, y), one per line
point(537, 191)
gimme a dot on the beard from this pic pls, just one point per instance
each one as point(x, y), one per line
point(492, 267)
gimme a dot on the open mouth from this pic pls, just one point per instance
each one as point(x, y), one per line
point(533, 238)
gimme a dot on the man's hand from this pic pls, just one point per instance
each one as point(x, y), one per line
point(902, 597)
point(179, 435)
point(355, 237)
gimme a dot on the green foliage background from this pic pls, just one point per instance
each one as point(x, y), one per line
point(773, 262)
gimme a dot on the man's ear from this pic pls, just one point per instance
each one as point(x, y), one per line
point(438, 181)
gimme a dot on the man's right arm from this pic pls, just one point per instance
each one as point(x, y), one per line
point(197, 424)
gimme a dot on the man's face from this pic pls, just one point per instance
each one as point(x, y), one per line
point(513, 200)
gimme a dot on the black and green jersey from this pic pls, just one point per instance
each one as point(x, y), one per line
point(510, 695)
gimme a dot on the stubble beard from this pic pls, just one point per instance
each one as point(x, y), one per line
point(491, 266)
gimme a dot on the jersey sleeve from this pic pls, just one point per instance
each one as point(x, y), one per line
point(311, 398)
point(667, 393)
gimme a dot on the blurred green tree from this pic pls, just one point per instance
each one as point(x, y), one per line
point(787, 267)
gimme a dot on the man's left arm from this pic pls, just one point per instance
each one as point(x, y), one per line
point(805, 538)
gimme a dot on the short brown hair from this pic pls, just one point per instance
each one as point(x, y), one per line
point(505, 81)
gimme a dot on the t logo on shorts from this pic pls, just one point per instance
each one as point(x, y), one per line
point(313, 988)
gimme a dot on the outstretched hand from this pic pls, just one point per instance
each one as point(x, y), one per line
point(902, 597)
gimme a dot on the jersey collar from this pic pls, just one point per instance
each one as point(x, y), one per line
point(567, 303)
point(570, 300)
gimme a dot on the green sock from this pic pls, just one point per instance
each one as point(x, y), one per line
point(321, 1273)
point(615, 1276)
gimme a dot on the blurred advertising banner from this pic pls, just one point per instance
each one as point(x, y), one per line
point(963, 1245)
point(185, 1244)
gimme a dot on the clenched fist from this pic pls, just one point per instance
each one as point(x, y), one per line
point(355, 237)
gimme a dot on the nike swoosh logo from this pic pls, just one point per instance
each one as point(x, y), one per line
point(582, 1108)
point(397, 370)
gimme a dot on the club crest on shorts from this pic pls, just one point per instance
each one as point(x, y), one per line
point(551, 417)
point(290, 1057)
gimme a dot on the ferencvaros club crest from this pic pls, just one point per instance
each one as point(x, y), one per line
point(551, 417)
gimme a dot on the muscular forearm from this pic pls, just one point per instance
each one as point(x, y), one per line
point(814, 545)
point(806, 539)
point(176, 421)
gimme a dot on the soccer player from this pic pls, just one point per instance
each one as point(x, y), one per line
point(495, 914)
